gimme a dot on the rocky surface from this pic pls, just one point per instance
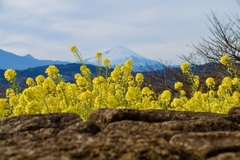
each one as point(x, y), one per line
point(122, 134)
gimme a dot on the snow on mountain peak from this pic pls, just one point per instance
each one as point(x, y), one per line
point(121, 50)
point(120, 54)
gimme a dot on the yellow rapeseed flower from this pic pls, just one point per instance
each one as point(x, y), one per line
point(227, 81)
point(33, 107)
point(3, 102)
point(166, 95)
point(49, 84)
point(30, 82)
point(178, 103)
point(52, 71)
point(139, 78)
point(74, 49)
point(185, 67)
point(98, 80)
point(236, 95)
point(10, 74)
point(81, 81)
point(77, 75)
point(86, 72)
point(212, 94)
point(127, 67)
point(147, 91)
point(29, 94)
point(40, 79)
point(2, 107)
point(130, 80)
point(10, 92)
point(210, 82)
point(196, 80)
point(225, 60)
point(182, 93)
point(76, 53)
point(178, 85)
point(112, 102)
point(235, 81)
point(86, 96)
point(106, 62)
point(99, 55)
point(133, 94)
point(13, 101)
point(116, 73)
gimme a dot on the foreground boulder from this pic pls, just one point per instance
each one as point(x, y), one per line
point(123, 134)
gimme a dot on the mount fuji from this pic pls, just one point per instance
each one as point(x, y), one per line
point(120, 54)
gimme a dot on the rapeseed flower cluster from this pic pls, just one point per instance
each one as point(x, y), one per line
point(118, 89)
point(10, 74)
point(210, 83)
point(185, 67)
point(225, 60)
point(192, 79)
point(218, 100)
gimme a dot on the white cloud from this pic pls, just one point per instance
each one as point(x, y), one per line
point(156, 28)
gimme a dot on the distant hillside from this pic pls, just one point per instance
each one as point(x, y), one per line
point(117, 55)
point(66, 70)
point(13, 61)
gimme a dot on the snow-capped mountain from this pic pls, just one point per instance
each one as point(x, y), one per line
point(120, 54)
point(12, 61)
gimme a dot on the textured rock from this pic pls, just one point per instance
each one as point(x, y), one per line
point(207, 144)
point(234, 110)
point(48, 136)
point(103, 117)
point(122, 134)
point(226, 156)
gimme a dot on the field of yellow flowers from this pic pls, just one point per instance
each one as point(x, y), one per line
point(117, 89)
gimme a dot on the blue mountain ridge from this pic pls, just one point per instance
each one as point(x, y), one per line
point(117, 55)
point(10, 60)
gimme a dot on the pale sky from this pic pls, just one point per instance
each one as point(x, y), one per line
point(155, 29)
